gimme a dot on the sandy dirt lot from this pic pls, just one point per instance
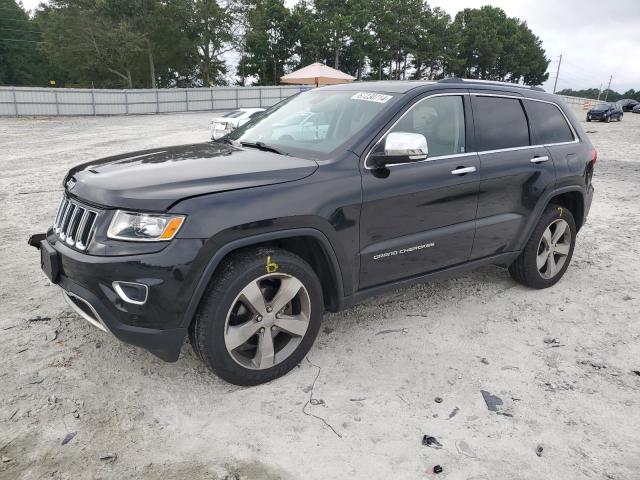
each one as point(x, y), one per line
point(373, 374)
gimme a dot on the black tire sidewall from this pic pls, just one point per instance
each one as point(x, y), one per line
point(236, 274)
point(551, 213)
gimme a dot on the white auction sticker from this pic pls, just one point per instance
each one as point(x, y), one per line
point(372, 97)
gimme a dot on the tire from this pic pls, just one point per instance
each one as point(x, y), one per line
point(588, 119)
point(608, 119)
point(620, 118)
point(225, 306)
point(525, 269)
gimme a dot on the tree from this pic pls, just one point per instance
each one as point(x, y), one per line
point(212, 28)
point(81, 38)
point(492, 46)
point(22, 61)
point(269, 40)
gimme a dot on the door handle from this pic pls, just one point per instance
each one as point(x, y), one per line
point(463, 170)
point(540, 159)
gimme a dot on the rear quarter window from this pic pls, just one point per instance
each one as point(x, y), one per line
point(500, 123)
point(548, 124)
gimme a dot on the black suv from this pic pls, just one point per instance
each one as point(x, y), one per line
point(241, 244)
point(605, 113)
point(628, 104)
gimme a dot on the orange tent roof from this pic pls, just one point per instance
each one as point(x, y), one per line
point(317, 74)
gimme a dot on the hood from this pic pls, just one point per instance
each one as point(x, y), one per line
point(153, 180)
point(598, 109)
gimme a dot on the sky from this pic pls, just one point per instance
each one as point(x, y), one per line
point(596, 39)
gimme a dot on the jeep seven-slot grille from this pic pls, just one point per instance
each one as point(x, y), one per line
point(75, 223)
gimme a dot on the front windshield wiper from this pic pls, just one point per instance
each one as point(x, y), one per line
point(263, 146)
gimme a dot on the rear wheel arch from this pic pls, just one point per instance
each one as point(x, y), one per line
point(308, 243)
point(574, 202)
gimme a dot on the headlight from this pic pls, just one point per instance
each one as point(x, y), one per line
point(144, 227)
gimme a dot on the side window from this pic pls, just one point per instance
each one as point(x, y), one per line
point(548, 125)
point(500, 123)
point(440, 120)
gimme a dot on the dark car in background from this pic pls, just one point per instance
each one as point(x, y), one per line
point(628, 104)
point(605, 113)
point(636, 109)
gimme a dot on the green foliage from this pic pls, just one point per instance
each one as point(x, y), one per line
point(269, 40)
point(148, 43)
point(492, 46)
point(22, 62)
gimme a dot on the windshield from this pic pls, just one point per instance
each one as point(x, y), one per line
point(315, 123)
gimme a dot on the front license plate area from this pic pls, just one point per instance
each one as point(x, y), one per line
point(49, 262)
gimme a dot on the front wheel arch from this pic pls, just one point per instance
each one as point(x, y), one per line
point(300, 242)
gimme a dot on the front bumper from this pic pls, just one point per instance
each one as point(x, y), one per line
point(158, 325)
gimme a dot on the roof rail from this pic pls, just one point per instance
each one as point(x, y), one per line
point(489, 82)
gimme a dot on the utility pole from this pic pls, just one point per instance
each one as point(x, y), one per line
point(599, 91)
point(555, 84)
point(606, 94)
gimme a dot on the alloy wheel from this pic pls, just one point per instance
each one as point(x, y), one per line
point(267, 321)
point(554, 248)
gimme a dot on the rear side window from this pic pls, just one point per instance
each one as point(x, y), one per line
point(500, 123)
point(548, 125)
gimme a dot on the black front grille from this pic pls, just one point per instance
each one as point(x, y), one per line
point(75, 223)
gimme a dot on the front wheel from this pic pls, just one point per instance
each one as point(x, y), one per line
point(547, 254)
point(259, 317)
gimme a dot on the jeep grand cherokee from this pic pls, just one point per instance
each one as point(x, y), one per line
point(242, 243)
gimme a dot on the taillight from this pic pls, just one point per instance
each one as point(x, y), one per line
point(594, 156)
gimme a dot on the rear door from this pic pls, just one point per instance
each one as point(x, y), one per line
point(419, 217)
point(515, 171)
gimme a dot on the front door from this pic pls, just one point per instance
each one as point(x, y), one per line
point(421, 216)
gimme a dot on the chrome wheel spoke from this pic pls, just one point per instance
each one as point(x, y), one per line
point(561, 228)
point(546, 237)
point(289, 288)
point(541, 260)
point(252, 297)
point(562, 249)
point(239, 334)
point(293, 324)
point(551, 266)
point(265, 355)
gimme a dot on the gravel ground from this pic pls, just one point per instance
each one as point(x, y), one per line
point(360, 403)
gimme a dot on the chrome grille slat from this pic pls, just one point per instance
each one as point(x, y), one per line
point(75, 223)
point(72, 225)
point(65, 221)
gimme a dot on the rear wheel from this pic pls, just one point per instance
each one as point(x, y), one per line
point(547, 254)
point(259, 317)
point(607, 119)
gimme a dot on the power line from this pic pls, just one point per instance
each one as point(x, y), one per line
point(26, 31)
point(19, 40)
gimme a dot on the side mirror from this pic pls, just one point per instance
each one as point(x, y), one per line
point(399, 147)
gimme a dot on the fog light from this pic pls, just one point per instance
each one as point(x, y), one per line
point(135, 293)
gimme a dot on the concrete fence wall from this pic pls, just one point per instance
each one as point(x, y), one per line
point(17, 101)
point(580, 102)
